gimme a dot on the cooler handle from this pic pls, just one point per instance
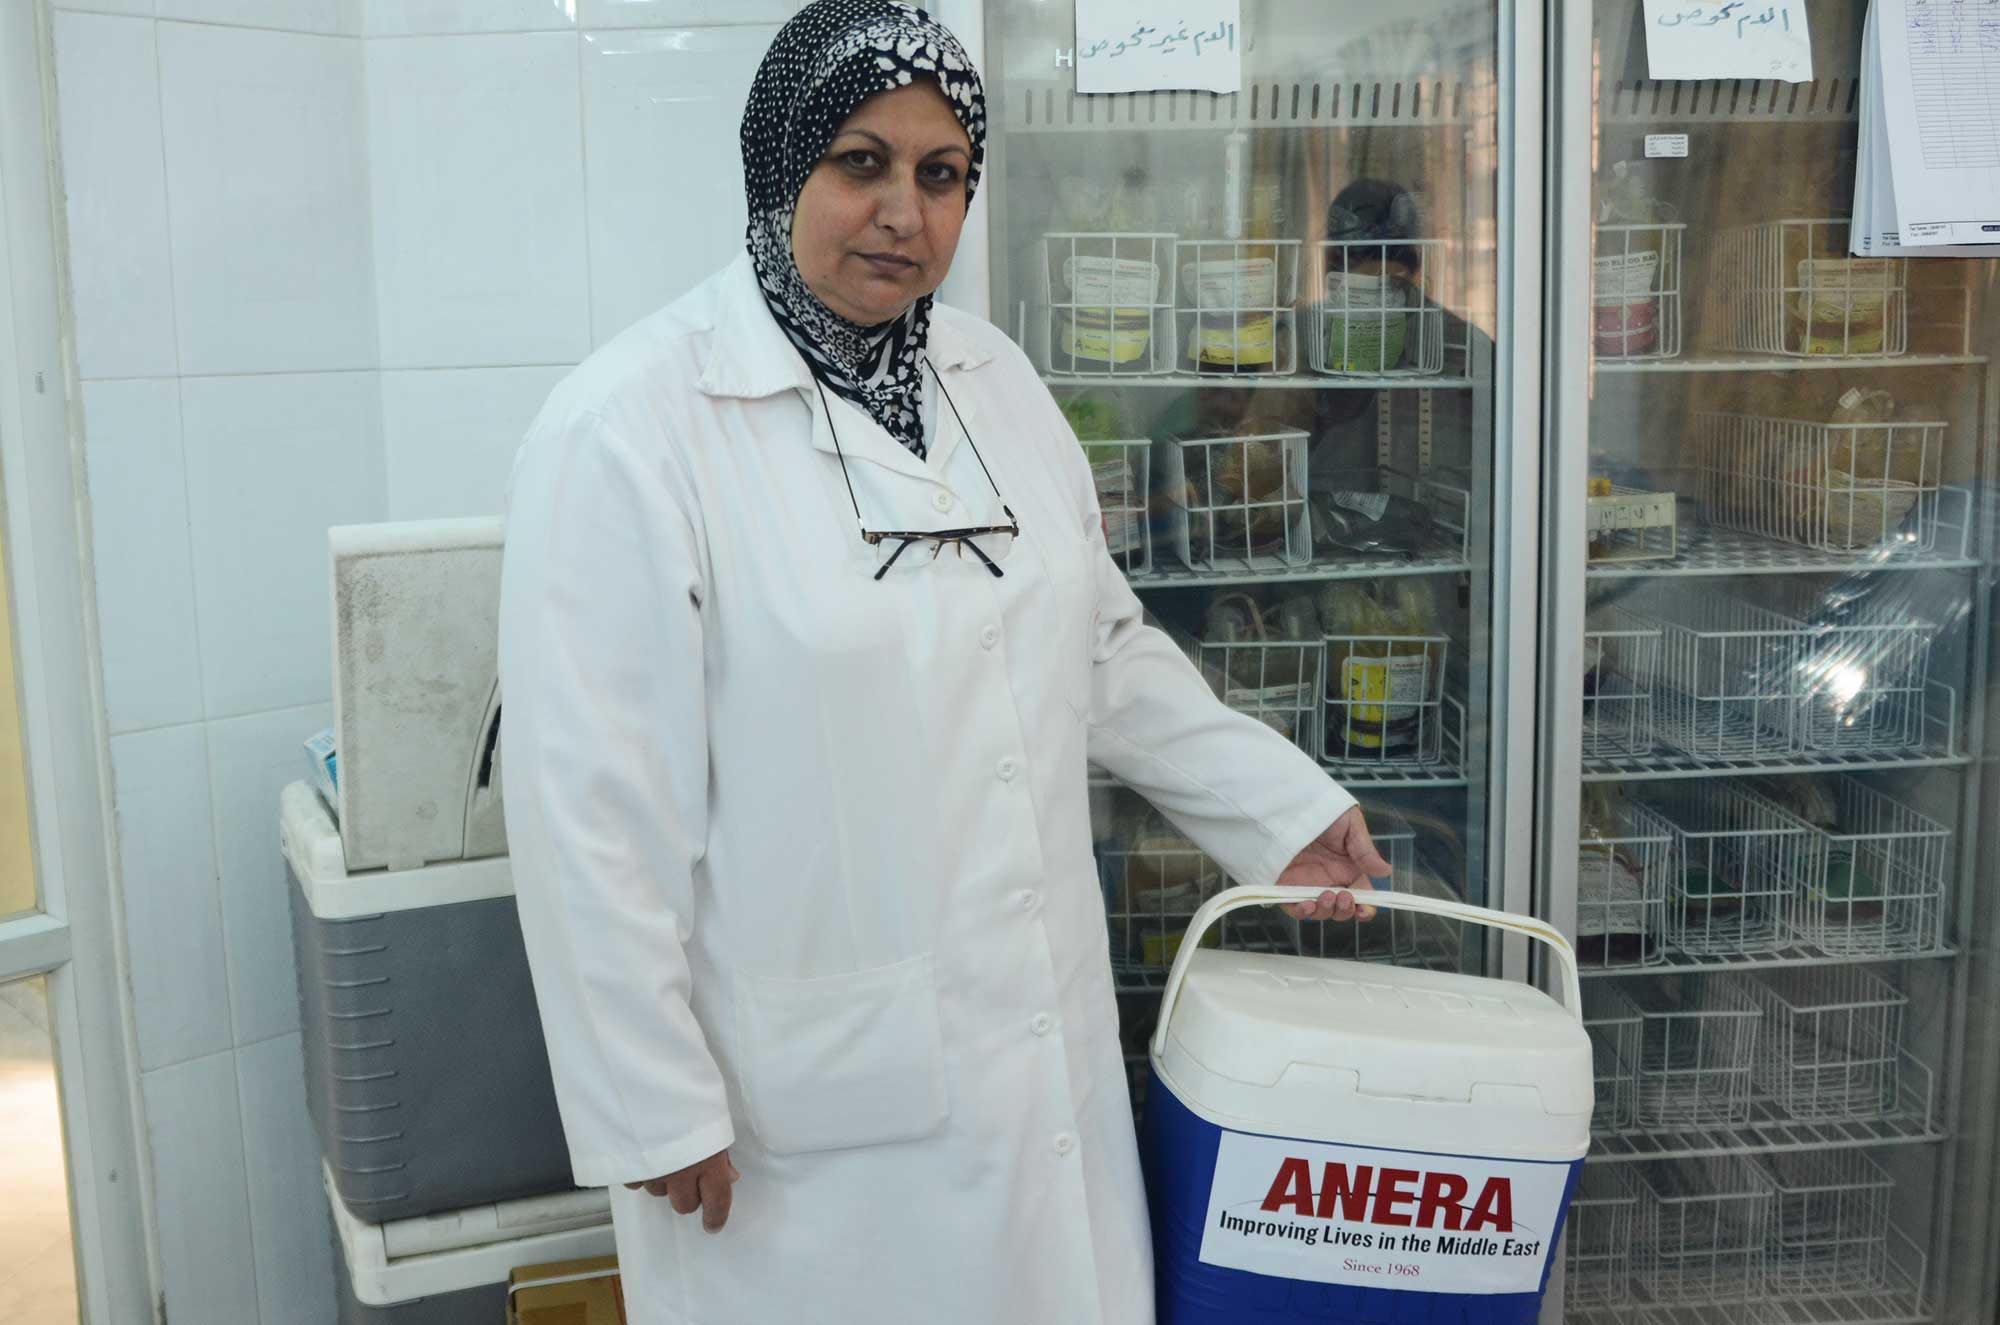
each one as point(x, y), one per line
point(1235, 899)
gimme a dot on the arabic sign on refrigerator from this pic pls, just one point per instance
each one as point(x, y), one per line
point(1739, 39)
point(1157, 45)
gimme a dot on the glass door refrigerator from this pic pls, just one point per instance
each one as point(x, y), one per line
point(1284, 325)
point(1767, 566)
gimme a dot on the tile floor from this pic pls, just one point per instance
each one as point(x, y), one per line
point(37, 1268)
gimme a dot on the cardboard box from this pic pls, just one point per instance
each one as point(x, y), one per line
point(566, 1293)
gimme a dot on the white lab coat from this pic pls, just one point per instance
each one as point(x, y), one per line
point(803, 858)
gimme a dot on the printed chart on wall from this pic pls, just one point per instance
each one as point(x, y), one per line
point(1928, 176)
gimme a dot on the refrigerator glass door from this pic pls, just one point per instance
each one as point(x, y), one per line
point(1275, 320)
point(1768, 661)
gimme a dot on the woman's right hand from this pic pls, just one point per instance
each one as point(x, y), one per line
point(703, 1186)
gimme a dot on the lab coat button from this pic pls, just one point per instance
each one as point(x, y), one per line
point(1042, 1024)
point(1027, 897)
point(941, 499)
point(989, 637)
point(1006, 768)
point(1064, 1143)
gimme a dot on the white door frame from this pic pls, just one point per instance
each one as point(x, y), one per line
point(76, 939)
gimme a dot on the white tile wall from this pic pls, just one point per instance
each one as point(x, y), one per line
point(290, 1228)
point(272, 462)
point(661, 111)
point(476, 164)
point(268, 193)
point(329, 256)
point(329, 17)
point(199, 1190)
point(250, 760)
point(116, 187)
point(173, 918)
point(451, 435)
point(143, 7)
point(683, 13)
point(405, 18)
point(139, 539)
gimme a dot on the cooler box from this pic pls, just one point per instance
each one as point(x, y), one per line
point(1331, 1140)
point(452, 1268)
point(426, 1074)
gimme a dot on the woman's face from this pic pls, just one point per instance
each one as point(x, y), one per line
point(878, 220)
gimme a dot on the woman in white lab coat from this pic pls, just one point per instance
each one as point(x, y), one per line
point(801, 844)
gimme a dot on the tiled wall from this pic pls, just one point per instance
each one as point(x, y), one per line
point(328, 258)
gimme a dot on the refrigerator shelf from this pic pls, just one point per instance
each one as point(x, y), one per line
point(1771, 1130)
point(1294, 381)
point(1938, 749)
point(1233, 570)
point(1707, 550)
point(1780, 363)
point(1786, 953)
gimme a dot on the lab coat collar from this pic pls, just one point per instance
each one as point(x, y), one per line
point(750, 355)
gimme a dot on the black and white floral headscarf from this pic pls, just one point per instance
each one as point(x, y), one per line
point(830, 58)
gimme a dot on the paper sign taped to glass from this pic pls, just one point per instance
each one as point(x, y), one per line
point(1735, 39)
point(1148, 46)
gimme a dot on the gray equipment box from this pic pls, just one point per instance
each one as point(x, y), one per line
point(426, 1073)
point(452, 1268)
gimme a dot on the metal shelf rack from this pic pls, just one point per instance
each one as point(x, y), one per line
point(1705, 550)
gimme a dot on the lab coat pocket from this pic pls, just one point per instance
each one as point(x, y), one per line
point(846, 1060)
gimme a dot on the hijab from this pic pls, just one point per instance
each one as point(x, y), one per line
point(825, 62)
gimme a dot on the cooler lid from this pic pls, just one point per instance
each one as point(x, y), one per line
point(312, 848)
point(448, 1253)
point(1399, 1033)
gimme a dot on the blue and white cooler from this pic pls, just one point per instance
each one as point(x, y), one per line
point(1334, 1140)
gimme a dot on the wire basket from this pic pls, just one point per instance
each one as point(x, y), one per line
point(1385, 699)
point(1878, 887)
point(1617, 1038)
point(1830, 1223)
point(1621, 667)
point(1110, 301)
point(1275, 681)
point(1239, 503)
point(1697, 1051)
point(1833, 1040)
point(1375, 310)
point(1742, 862)
point(1152, 888)
point(1237, 299)
point(1787, 287)
point(1835, 487)
point(1603, 1217)
point(1122, 473)
point(1621, 888)
point(1729, 673)
point(1636, 291)
point(1704, 1229)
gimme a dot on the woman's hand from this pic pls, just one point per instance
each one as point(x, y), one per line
point(703, 1186)
point(1343, 856)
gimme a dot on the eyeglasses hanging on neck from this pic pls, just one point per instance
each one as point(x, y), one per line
point(891, 544)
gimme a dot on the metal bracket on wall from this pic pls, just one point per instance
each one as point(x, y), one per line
point(1385, 431)
point(1423, 432)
